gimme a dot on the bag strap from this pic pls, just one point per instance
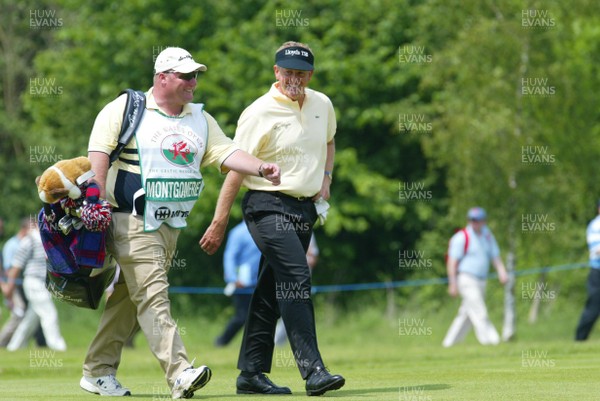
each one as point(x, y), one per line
point(132, 115)
point(464, 230)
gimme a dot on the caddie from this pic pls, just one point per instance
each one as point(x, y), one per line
point(153, 187)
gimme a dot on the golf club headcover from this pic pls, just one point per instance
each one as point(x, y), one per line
point(96, 213)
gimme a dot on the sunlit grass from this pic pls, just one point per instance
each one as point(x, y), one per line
point(380, 360)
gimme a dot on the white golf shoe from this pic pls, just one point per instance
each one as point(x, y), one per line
point(104, 385)
point(190, 380)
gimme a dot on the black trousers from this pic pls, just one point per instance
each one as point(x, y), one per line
point(592, 306)
point(241, 304)
point(281, 226)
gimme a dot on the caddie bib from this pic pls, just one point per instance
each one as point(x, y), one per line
point(171, 150)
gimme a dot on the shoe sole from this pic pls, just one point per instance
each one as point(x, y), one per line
point(198, 383)
point(238, 391)
point(89, 387)
point(336, 385)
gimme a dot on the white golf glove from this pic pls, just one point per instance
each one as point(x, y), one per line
point(322, 208)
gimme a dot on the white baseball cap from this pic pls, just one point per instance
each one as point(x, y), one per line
point(178, 60)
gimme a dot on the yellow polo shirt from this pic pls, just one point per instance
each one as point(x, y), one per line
point(107, 126)
point(276, 130)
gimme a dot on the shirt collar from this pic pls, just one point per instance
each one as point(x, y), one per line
point(152, 105)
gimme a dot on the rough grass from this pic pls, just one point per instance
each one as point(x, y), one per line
point(380, 360)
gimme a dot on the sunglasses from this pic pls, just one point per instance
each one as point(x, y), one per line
point(186, 77)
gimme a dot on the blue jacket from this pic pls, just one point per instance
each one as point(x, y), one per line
point(242, 257)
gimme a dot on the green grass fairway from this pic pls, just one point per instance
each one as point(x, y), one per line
point(382, 359)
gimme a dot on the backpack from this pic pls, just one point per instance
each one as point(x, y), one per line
point(78, 270)
point(466, 233)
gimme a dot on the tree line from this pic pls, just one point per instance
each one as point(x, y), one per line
point(441, 105)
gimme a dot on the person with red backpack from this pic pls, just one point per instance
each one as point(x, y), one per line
point(469, 255)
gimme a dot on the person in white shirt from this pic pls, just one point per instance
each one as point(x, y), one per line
point(30, 259)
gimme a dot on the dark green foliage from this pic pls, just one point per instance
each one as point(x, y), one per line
point(466, 88)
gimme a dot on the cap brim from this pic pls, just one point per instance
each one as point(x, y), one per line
point(189, 67)
point(295, 64)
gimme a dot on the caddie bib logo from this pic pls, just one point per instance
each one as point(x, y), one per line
point(170, 155)
point(178, 150)
point(162, 213)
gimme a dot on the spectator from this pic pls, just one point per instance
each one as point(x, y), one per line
point(592, 305)
point(240, 262)
point(16, 304)
point(30, 259)
point(469, 255)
